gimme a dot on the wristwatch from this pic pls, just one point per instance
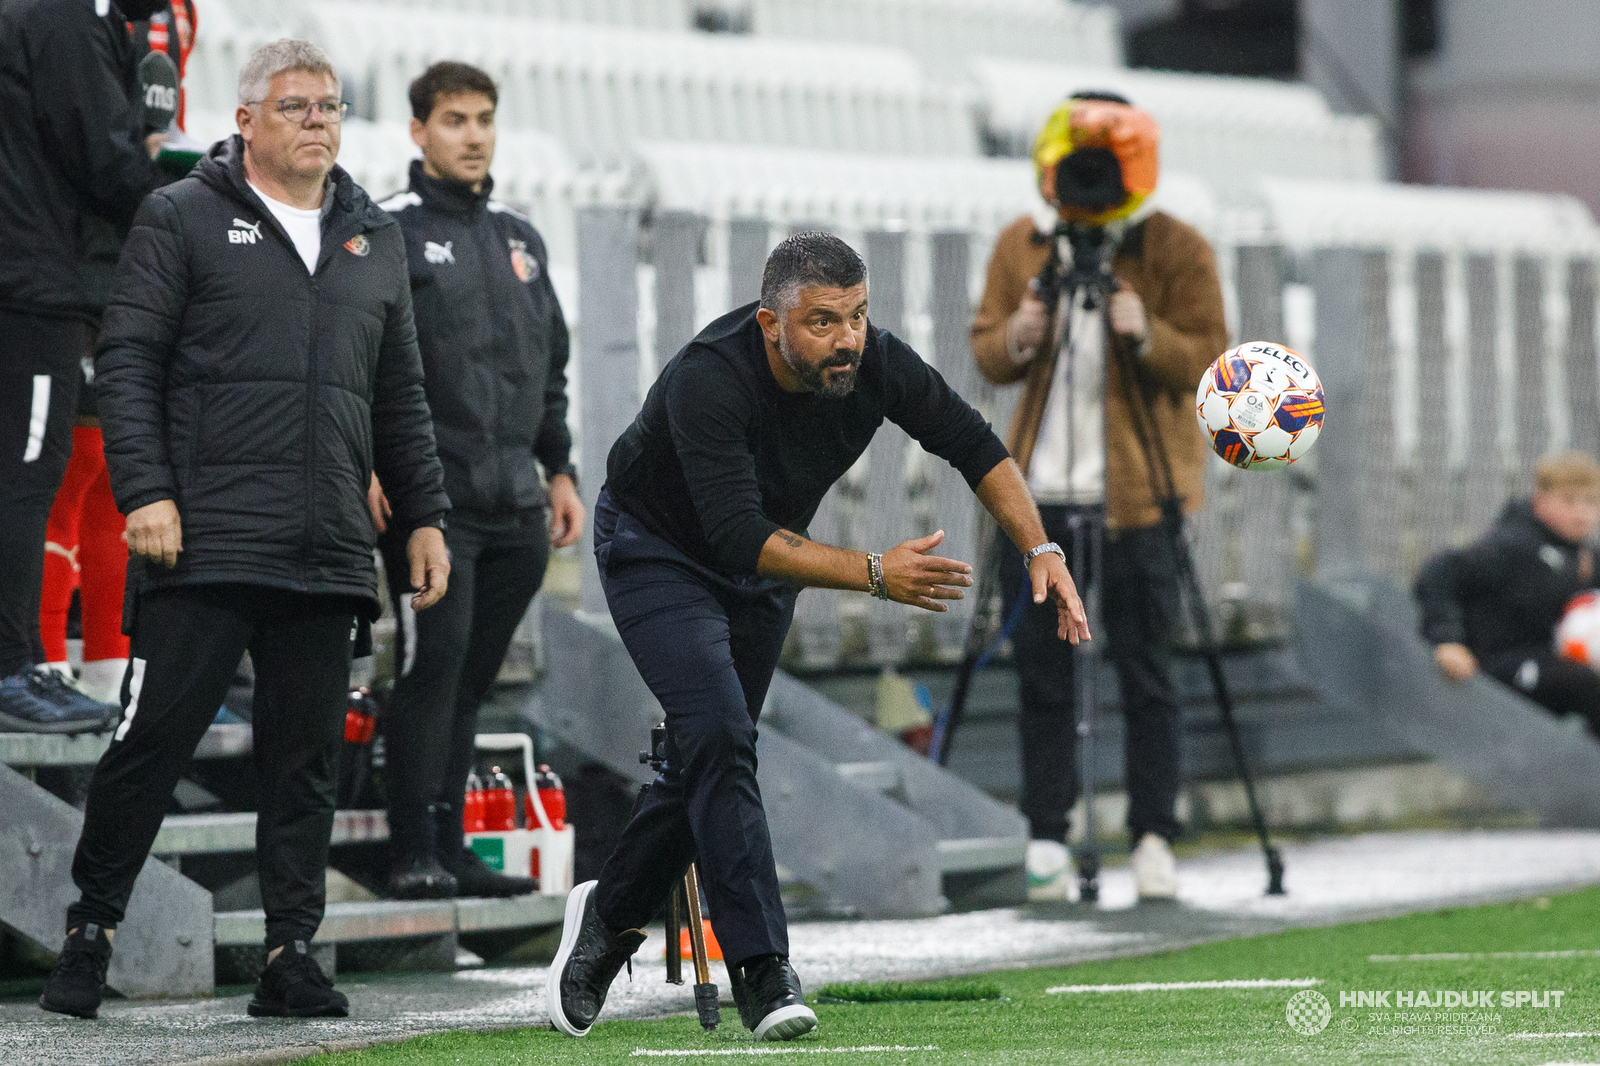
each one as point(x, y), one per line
point(1048, 546)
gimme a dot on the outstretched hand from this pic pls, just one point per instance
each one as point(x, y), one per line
point(1052, 580)
point(922, 580)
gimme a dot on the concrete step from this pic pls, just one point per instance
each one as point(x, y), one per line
point(210, 834)
point(394, 919)
point(54, 749)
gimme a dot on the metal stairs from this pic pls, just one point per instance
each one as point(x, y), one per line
point(169, 943)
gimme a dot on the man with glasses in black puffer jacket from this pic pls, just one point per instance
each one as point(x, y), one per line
point(257, 361)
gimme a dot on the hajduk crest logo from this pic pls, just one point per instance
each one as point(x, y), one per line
point(358, 245)
point(523, 263)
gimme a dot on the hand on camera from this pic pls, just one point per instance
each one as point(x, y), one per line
point(1025, 329)
point(1127, 314)
point(155, 532)
point(1052, 580)
point(920, 579)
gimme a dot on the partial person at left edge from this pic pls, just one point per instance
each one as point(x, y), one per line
point(75, 162)
point(258, 362)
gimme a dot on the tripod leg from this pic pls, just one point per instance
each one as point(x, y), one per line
point(705, 993)
point(1085, 664)
point(674, 925)
point(1219, 684)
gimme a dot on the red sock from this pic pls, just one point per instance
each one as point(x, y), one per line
point(103, 562)
point(61, 540)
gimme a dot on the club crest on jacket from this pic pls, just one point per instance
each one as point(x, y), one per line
point(523, 263)
point(358, 245)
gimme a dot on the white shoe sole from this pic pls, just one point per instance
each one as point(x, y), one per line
point(786, 1023)
point(577, 899)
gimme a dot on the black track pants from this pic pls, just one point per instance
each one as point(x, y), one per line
point(1559, 685)
point(1139, 610)
point(39, 381)
point(187, 643)
point(449, 655)
point(706, 645)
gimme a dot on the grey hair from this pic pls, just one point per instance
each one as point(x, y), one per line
point(270, 60)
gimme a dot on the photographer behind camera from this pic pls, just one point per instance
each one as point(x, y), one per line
point(1074, 437)
point(1494, 605)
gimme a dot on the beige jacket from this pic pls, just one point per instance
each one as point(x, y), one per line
point(1170, 265)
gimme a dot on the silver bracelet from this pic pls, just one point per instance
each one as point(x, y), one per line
point(876, 584)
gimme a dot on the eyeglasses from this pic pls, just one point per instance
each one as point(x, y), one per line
point(295, 108)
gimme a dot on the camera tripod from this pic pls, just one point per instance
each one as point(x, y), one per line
point(1060, 284)
point(685, 898)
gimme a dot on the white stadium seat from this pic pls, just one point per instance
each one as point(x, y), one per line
point(599, 89)
point(1225, 130)
point(950, 32)
point(854, 191)
point(1307, 214)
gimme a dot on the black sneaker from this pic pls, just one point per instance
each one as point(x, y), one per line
point(474, 877)
point(78, 979)
point(586, 964)
point(420, 877)
point(294, 986)
point(771, 1005)
point(37, 699)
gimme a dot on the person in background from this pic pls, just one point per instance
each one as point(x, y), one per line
point(494, 352)
point(1495, 604)
point(1073, 435)
point(75, 162)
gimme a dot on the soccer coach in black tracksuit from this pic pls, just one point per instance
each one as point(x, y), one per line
point(494, 350)
point(257, 361)
point(700, 538)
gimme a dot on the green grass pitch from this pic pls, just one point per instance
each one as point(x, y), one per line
point(1540, 947)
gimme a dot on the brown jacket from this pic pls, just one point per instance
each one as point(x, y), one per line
point(1172, 269)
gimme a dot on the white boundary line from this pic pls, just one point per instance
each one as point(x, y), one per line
point(697, 1052)
point(1549, 1036)
point(1183, 986)
point(1476, 956)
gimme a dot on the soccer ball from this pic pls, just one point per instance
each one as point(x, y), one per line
point(1578, 634)
point(1260, 405)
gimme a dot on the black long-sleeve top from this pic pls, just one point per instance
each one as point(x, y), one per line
point(721, 457)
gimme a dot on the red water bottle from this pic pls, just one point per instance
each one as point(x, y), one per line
point(360, 717)
point(551, 796)
point(500, 802)
point(472, 812)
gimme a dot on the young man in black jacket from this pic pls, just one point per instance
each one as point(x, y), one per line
point(700, 533)
point(74, 164)
point(1495, 604)
point(257, 361)
point(494, 349)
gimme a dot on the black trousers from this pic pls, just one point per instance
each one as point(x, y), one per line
point(448, 658)
point(1559, 685)
point(1139, 605)
point(187, 642)
point(706, 645)
point(39, 381)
